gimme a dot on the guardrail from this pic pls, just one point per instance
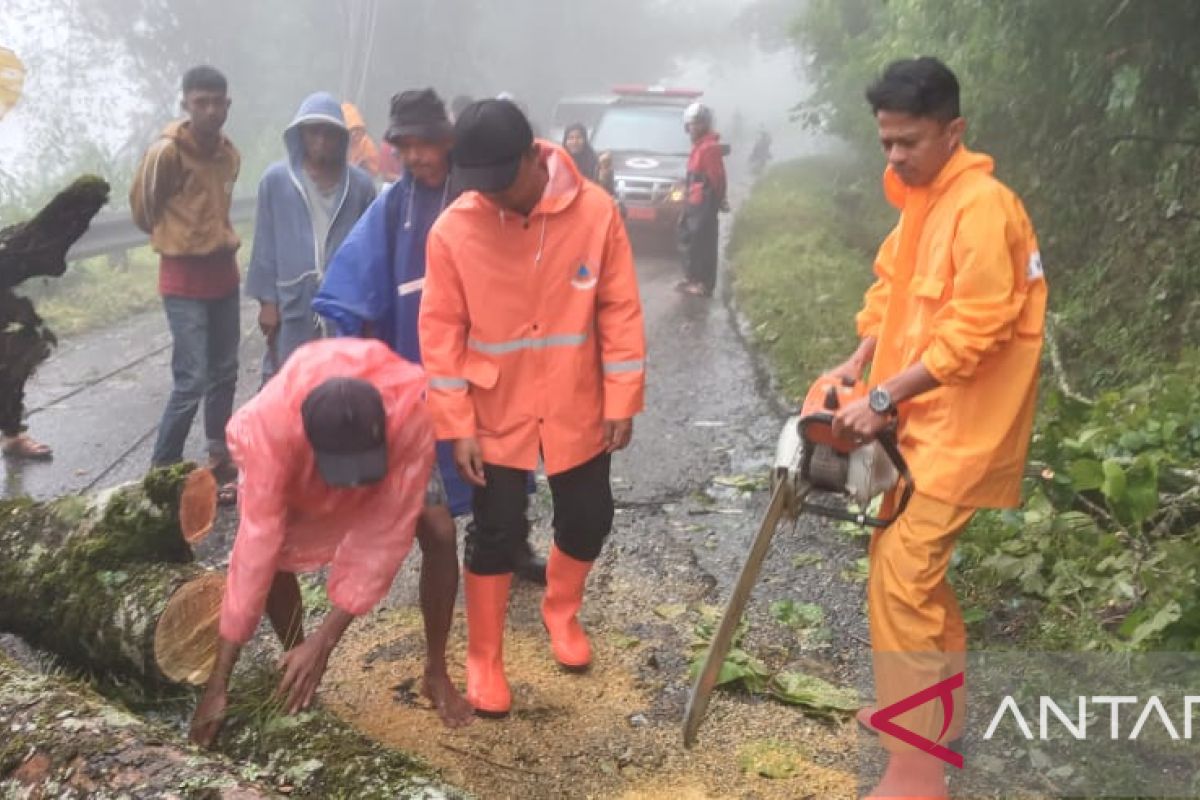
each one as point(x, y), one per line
point(114, 232)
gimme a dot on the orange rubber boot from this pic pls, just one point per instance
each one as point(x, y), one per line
point(565, 577)
point(487, 607)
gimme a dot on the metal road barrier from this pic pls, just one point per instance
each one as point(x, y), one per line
point(114, 231)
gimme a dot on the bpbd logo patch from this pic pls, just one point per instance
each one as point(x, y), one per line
point(584, 278)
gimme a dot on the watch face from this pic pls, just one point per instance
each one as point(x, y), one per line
point(880, 401)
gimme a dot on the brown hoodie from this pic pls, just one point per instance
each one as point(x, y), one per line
point(181, 194)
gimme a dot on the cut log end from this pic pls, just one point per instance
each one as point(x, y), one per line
point(198, 505)
point(187, 634)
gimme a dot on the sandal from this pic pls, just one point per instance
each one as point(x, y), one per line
point(227, 494)
point(23, 446)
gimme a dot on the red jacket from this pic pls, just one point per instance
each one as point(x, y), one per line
point(706, 168)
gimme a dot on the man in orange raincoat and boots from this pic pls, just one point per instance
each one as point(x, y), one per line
point(952, 331)
point(531, 332)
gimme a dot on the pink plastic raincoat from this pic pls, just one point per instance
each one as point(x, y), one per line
point(291, 520)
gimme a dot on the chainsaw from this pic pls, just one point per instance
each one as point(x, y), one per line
point(809, 458)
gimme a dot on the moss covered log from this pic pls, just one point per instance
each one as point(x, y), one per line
point(62, 740)
point(315, 753)
point(88, 578)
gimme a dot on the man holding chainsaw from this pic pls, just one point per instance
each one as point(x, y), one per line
point(952, 332)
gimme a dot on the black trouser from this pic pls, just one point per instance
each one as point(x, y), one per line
point(583, 515)
point(700, 244)
point(25, 342)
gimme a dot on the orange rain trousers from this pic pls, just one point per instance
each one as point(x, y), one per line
point(918, 637)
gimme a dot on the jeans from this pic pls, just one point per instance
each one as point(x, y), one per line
point(204, 365)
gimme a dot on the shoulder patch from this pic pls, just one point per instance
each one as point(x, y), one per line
point(1033, 270)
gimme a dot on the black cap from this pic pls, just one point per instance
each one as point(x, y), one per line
point(347, 427)
point(420, 113)
point(490, 137)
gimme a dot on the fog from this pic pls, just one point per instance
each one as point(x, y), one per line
point(102, 75)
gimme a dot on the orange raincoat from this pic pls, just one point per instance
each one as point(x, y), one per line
point(291, 520)
point(960, 288)
point(531, 329)
point(363, 154)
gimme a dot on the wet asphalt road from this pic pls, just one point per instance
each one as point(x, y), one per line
point(98, 401)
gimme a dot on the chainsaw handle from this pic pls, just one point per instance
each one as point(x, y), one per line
point(887, 440)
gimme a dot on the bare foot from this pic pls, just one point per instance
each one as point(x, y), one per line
point(451, 706)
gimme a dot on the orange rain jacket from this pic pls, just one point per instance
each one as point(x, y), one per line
point(291, 520)
point(363, 154)
point(531, 329)
point(960, 288)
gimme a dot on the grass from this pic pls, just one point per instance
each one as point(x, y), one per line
point(802, 251)
point(106, 290)
point(96, 292)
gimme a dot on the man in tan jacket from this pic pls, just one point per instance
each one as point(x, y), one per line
point(181, 196)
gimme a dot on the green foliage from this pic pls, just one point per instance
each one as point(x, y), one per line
point(1090, 108)
point(770, 759)
point(95, 293)
point(743, 670)
point(800, 616)
point(1111, 530)
point(313, 595)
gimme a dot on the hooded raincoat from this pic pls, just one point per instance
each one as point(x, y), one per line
point(287, 262)
point(960, 288)
point(291, 520)
point(531, 328)
point(377, 278)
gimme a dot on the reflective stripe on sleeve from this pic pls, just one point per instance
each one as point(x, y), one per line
point(614, 367)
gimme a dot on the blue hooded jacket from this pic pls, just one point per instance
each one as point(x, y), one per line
point(377, 276)
point(285, 267)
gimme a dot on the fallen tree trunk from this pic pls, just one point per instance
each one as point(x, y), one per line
point(62, 740)
point(107, 581)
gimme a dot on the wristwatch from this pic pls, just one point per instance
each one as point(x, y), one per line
point(880, 401)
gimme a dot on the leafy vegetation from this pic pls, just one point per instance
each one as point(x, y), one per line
point(741, 669)
point(1105, 553)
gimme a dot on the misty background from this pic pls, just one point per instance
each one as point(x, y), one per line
point(103, 75)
